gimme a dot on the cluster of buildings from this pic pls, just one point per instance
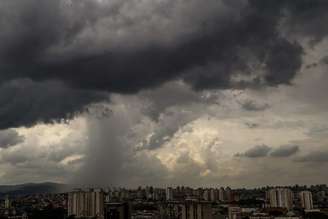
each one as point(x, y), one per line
point(29, 206)
point(211, 194)
point(296, 202)
point(188, 203)
point(285, 198)
point(10, 212)
point(279, 201)
point(119, 205)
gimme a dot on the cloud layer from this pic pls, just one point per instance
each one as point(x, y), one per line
point(10, 138)
point(266, 151)
point(127, 92)
point(119, 46)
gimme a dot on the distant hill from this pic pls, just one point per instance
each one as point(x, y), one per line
point(33, 188)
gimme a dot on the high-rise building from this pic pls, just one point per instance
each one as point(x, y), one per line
point(234, 212)
point(84, 204)
point(7, 202)
point(221, 194)
point(213, 195)
point(229, 194)
point(206, 195)
point(306, 200)
point(169, 194)
point(196, 210)
point(280, 198)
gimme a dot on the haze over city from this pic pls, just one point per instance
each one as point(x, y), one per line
point(198, 93)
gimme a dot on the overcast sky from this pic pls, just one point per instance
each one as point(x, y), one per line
point(164, 92)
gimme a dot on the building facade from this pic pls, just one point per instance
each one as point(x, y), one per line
point(280, 198)
point(196, 210)
point(306, 200)
point(86, 204)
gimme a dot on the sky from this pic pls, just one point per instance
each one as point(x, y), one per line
point(164, 92)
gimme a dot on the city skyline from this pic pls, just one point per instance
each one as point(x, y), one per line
point(297, 202)
point(164, 92)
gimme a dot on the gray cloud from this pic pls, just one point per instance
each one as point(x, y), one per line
point(324, 60)
point(318, 131)
point(251, 105)
point(284, 151)
point(266, 151)
point(302, 18)
point(256, 151)
point(17, 157)
point(168, 124)
point(315, 156)
point(159, 100)
point(9, 138)
point(252, 125)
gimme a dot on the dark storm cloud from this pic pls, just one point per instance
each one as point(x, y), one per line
point(266, 151)
point(24, 102)
point(48, 40)
point(9, 138)
point(307, 17)
point(159, 100)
